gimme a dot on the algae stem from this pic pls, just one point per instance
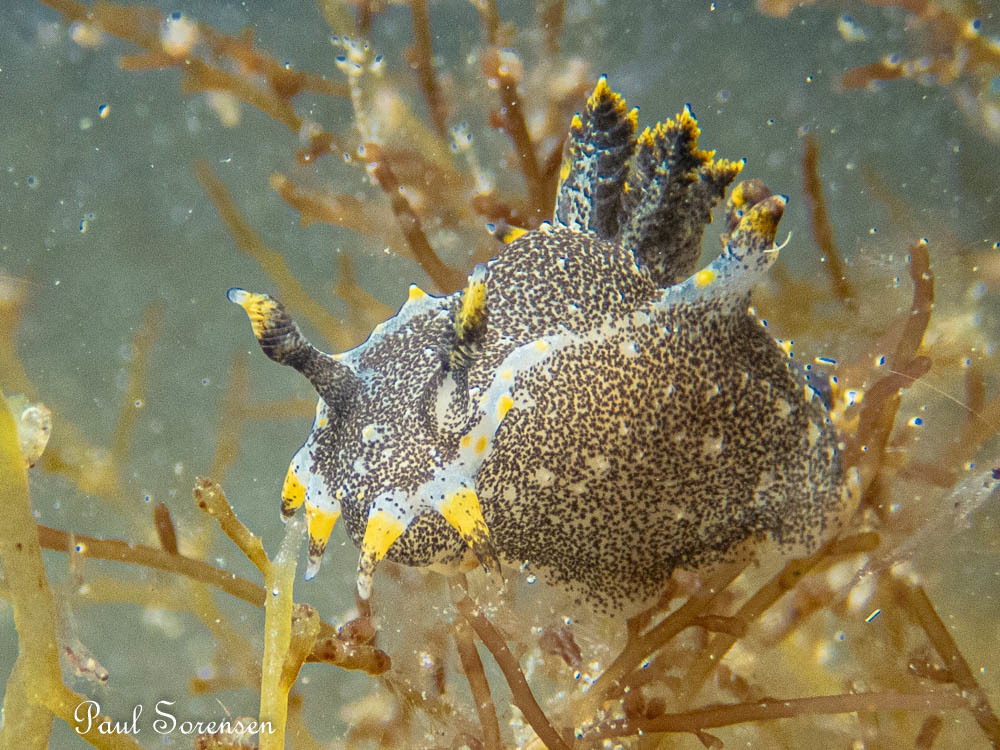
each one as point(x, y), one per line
point(278, 604)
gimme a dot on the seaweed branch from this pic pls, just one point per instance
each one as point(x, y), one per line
point(330, 648)
point(165, 530)
point(234, 398)
point(920, 607)
point(964, 49)
point(711, 717)
point(882, 400)
point(819, 220)
point(490, 18)
point(210, 498)
point(249, 242)
point(142, 348)
point(499, 69)
point(141, 25)
point(551, 16)
point(35, 691)
point(117, 550)
point(445, 278)
point(640, 646)
point(13, 294)
point(520, 691)
point(472, 666)
point(279, 580)
point(721, 642)
point(420, 58)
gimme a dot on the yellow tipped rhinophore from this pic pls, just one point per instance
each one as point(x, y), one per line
point(472, 312)
point(293, 492)
point(762, 219)
point(320, 524)
point(462, 510)
point(738, 198)
point(258, 308)
point(382, 530)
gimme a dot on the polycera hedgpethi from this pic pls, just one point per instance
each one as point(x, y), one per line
point(589, 406)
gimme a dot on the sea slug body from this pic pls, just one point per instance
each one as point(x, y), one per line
point(591, 404)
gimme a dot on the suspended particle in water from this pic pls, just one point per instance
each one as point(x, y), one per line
point(34, 427)
point(86, 35)
point(103, 111)
point(850, 30)
point(81, 663)
point(178, 35)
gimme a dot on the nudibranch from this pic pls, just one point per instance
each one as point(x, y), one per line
point(591, 407)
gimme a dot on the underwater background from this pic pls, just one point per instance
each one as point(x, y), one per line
point(114, 264)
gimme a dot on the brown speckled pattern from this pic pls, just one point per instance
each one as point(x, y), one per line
point(643, 465)
point(653, 426)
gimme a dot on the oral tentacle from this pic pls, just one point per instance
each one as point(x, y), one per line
point(462, 510)
point(293, 490)
point(320, 522)
point(385, 525)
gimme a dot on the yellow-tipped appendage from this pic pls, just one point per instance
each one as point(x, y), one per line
point(762, 219)
point(512, 234)
point(738, 197)
point(603, 93)
point(320, 524)
point(382, 530)
point(462, 510)
point(258, 308)
point(687, 122)
point(472, 311)
point(731, 166)
point(293, 492)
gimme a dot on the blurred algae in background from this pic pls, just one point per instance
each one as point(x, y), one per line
point(332, 153)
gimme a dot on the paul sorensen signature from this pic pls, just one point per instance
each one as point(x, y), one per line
point(88, 718)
